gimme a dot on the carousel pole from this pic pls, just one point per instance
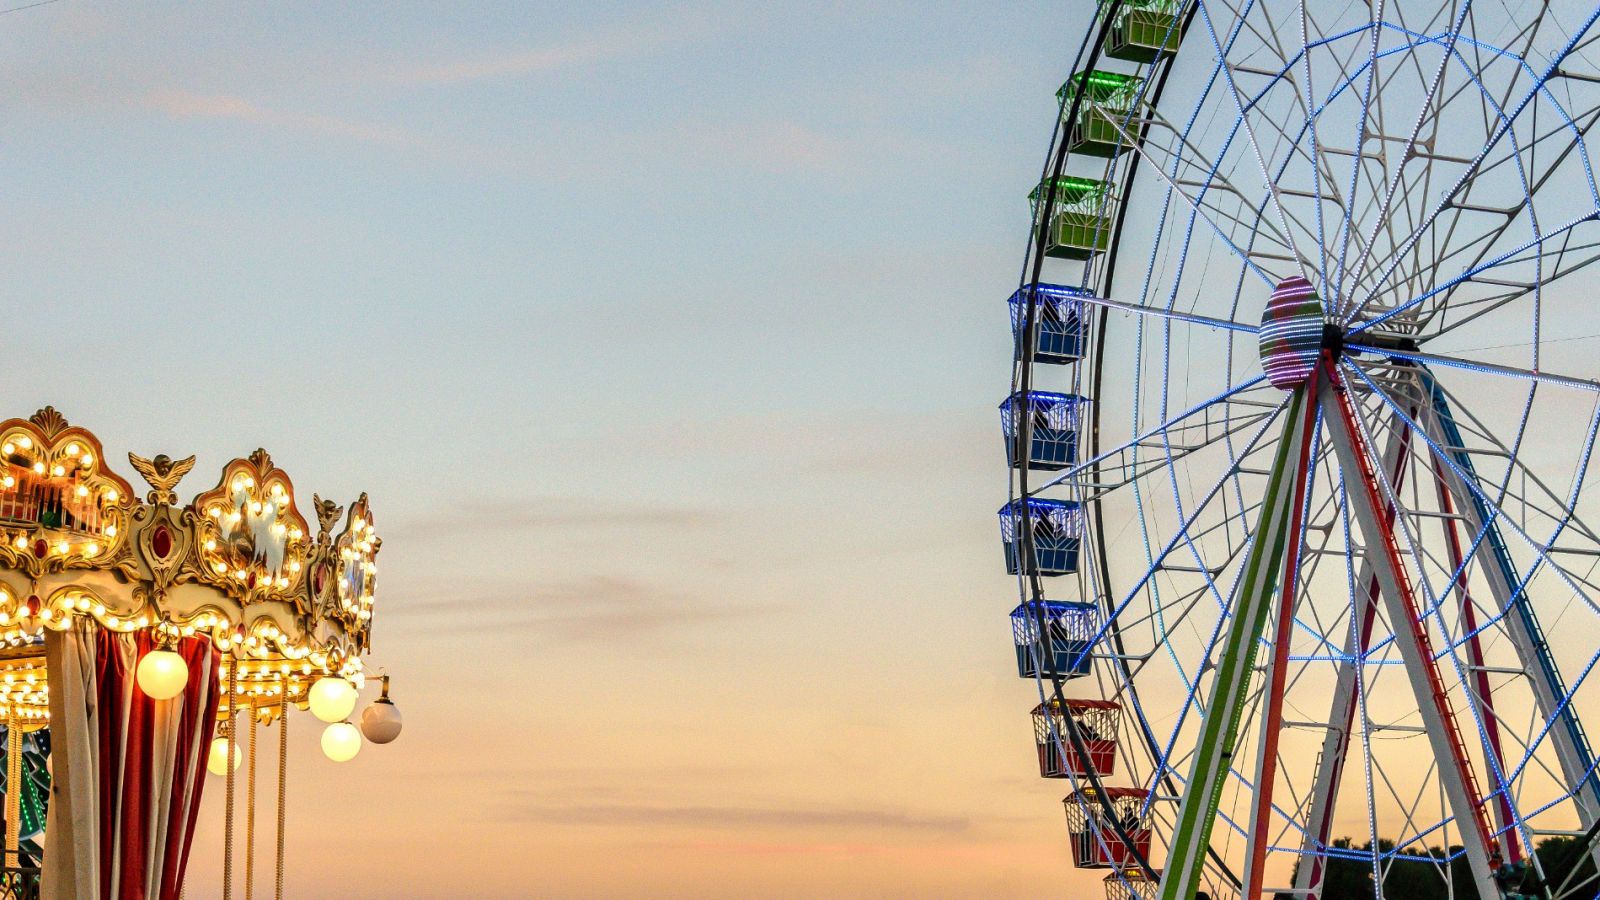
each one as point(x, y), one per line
point(13, 787)
point(233, 747)
point(250, 816)
point(283, 777)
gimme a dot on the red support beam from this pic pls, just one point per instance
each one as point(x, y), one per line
point(1478, 827)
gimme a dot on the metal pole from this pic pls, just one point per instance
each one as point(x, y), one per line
point(233, 746)
point(283, 777)
point(250, 816)
point(13, 786)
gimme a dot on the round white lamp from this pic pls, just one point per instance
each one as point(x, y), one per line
point(333, 699)
point(341, 742)
point(381, 722)
point(217, 762)
point(162, 674)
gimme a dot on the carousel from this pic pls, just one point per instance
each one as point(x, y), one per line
point(145, 643)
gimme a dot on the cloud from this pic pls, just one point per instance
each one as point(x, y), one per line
point(182, 104)
point(772, 147)
point(480, 514)
point(731, 817)
point(631, 39)
point(525, 62)
point(599, 608)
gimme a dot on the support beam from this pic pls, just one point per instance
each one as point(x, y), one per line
point(1266, 775)
point(1411, 632)
point(1235, 661)
point(1347, 691)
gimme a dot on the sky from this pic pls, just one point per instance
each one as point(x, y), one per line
point(666, 340)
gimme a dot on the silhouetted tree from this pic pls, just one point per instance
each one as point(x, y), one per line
point(1403, 879)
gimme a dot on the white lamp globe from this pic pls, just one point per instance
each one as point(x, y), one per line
point(333, 699)
point(341, 742)
point(162, 674)
point(380, 722)
point(217, 763)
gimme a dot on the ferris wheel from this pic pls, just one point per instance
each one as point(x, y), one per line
point(1299, 435)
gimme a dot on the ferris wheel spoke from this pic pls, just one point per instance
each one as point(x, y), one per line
point(1194, 429)
point(1490, 368)
point(1249, 130)
point(1400, 250)
point(1494, 506)
point(1552, 696)
point(1381, 217)
point(1451, 43)
point(1481, 245)
point(1543, 249)
point(1464, 312)
point(1187, 533)
point(1509, 256)
point(1209, 214)
point(1559, 512)
point(1503, 128)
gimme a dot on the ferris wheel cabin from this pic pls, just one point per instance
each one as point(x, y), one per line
point(1096, 721)
point(1095, 843)
point(1058, 322)
point(1144, 31)
point(1051, 440)
point(1071, 629)
point(1075, 214)
point(1055, 532)
point(1132, 884)
point(1105, 125)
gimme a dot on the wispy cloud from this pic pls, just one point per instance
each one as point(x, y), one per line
point(731, 817)
point(596, 608)
point(183, 104)
point(546, 513)
point(618, 42)
point(524, 62)
point(773, 147)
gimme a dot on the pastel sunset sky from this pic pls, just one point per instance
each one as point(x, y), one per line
point(667, 341)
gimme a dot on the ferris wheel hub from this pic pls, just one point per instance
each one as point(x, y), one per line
point(1294, 332)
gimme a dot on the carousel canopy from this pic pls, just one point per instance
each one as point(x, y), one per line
point(239, 563)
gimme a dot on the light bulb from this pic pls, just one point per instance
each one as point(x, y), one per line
point(162, 674)
point(341, 742)
point(218, 760)
point(333, 699)
point(380, 722)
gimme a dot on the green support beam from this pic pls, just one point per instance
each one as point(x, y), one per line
point(1224, 719)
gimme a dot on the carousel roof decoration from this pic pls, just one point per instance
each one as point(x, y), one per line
point(239, 563)
point(225, 611)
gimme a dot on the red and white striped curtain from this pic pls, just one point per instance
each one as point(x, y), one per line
point(128, 770)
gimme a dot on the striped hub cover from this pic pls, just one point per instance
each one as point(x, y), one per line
point(1291, 333)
